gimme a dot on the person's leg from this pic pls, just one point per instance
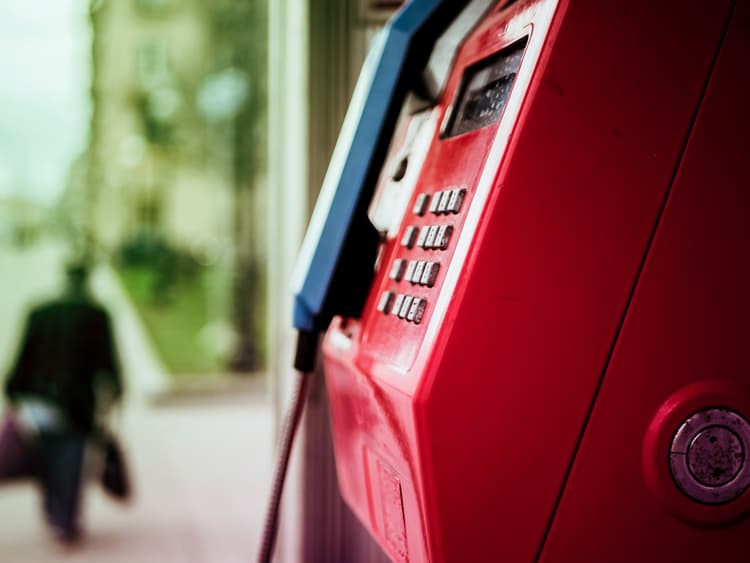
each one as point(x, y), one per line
point(61, 479)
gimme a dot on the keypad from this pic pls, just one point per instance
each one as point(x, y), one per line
point(429, 237)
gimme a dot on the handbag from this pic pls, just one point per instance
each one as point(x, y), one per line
point(16, 450)
point(115, 478)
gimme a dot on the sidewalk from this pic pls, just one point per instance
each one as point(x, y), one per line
point(201, 468)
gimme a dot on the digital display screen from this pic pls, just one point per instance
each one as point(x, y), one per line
point(484, 90)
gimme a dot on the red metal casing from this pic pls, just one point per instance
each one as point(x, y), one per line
point(456, 437)
point(683, 347)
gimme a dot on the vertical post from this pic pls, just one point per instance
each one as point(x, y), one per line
point(287, 217)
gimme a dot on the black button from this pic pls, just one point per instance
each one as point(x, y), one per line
point(435, 202)
point(410, 270)
point(456, 200)
point(443, 236)
point(397, 304)
point(430, 274)
point(397, 271)
point(420, 205)
point(410, 235)
point(431, 235)
point(386, 300)
point(421, 305)
point(443, 204)
point(422, 239)
point(404, 310)
point(418, 271)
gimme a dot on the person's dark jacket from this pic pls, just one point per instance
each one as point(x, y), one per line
point(67, 355)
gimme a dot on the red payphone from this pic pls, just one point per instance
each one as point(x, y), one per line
point(550, 363)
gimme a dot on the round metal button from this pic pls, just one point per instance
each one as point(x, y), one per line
point(715, 456)
point(708, 456)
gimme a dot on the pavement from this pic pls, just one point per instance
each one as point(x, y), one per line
point(200, 462)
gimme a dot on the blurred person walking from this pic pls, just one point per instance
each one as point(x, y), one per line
point(66, 376)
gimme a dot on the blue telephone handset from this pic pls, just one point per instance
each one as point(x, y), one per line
point(336, 260)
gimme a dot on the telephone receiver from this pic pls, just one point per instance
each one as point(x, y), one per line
point(334, 269)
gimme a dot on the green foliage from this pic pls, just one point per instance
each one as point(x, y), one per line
point(158, 132)
point(175, 326)
point(167, 264)
point(166, 286)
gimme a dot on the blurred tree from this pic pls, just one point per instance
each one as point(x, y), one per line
point(177, 145)
point(240, 28)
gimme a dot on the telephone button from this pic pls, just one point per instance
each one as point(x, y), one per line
point(418, 271)
point(443, 236)
point(410, 271)
point(420, 205)
point(435, 202)
point(397, 304)
point(456, 200)
point(431, 234)
point(405, 305)
point(422, 239)
point(430, 274)
point(397, 270)
point(410, 235)
point(416, 305)
point(386, 300)
point(443, 203)
point(417, 308)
